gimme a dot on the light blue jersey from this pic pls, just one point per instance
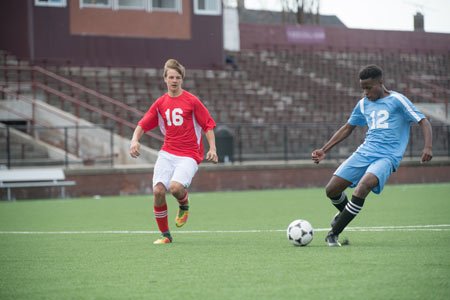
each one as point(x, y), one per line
point(389, 120)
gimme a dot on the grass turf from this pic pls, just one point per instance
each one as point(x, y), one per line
point(233, 247)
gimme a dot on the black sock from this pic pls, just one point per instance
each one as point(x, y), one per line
point(184, 207)
point(340, 201)
point(346, 216)
point(167, 234)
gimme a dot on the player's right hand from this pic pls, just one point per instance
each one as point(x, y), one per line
point(318, 155)
point(427, 155)
point(134, 149)
point(212, 156)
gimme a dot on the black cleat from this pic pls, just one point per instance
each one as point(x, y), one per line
point(332, 239)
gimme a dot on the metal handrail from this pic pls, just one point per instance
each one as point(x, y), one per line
point(88, 90)
point(83, 104)
point(76, 101)
point(33, 102)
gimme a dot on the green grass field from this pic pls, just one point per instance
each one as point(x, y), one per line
point(233, 247)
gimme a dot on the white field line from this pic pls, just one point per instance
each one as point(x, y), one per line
point(438, 227)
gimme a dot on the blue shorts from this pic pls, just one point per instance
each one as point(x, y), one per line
point(354, 168)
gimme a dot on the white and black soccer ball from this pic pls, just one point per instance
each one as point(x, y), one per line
point(300, 232)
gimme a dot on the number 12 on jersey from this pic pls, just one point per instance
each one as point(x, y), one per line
point(379, 119)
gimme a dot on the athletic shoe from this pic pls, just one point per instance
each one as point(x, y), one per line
point(182, 216)
point(163, 240)
point(332, 239)
point(333, 222)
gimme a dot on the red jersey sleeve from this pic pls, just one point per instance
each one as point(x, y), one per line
point(202, 116)
point(150, 119)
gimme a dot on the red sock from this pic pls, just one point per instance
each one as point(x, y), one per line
point(184, 201)
point(161, 218)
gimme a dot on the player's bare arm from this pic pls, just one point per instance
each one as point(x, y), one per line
point(135, 145)
point(340, 135)
point(212, 152)
point(427, 152)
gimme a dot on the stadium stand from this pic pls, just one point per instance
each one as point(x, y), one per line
point(281, 95)
point(272, 82)
point(280, 86)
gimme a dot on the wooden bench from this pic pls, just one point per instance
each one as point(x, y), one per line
point(28, 178)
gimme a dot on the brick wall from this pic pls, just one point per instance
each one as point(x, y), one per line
point(137, 181)
point(241, 177)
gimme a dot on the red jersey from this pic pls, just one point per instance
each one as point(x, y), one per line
point(181, 120)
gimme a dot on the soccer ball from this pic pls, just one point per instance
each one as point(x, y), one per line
point(300, 232)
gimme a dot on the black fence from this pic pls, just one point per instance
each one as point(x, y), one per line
point(94, 145)
point(27, 145)
point(249, 142)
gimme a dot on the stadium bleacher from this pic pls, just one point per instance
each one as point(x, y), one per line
point(268, 86)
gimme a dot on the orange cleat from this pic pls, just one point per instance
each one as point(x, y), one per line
point(182, 217)
point(163, 240)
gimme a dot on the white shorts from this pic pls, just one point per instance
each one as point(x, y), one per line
point(169, 167)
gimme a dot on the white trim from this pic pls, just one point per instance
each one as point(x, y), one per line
point(437, 227)
point(215, 12)
point(407, 106)
point(89, 5)
point(177, 8)
point(147, 6)
point(197, 128)
point(361, 106)
point(143, 7)
point(51, 3)
point(161, 123)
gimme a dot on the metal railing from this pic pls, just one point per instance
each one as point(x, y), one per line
point(249, 142)
point(94, 145)
point(35, 80)
point(28, 145)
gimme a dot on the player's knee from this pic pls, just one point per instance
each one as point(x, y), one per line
point(176, 189)
point(331, 191)
point(159, 190)
point(363, 189)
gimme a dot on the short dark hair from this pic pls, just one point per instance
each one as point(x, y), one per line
point(370, 71)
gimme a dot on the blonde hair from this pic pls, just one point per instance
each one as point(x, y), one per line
point(175, 65)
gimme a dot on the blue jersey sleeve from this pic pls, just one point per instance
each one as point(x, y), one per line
point(357, 117)
point(410, 111)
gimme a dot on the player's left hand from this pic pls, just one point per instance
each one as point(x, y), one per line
point(135, 149)
point(318, 155)
point(427, 155)
point(212, 156)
